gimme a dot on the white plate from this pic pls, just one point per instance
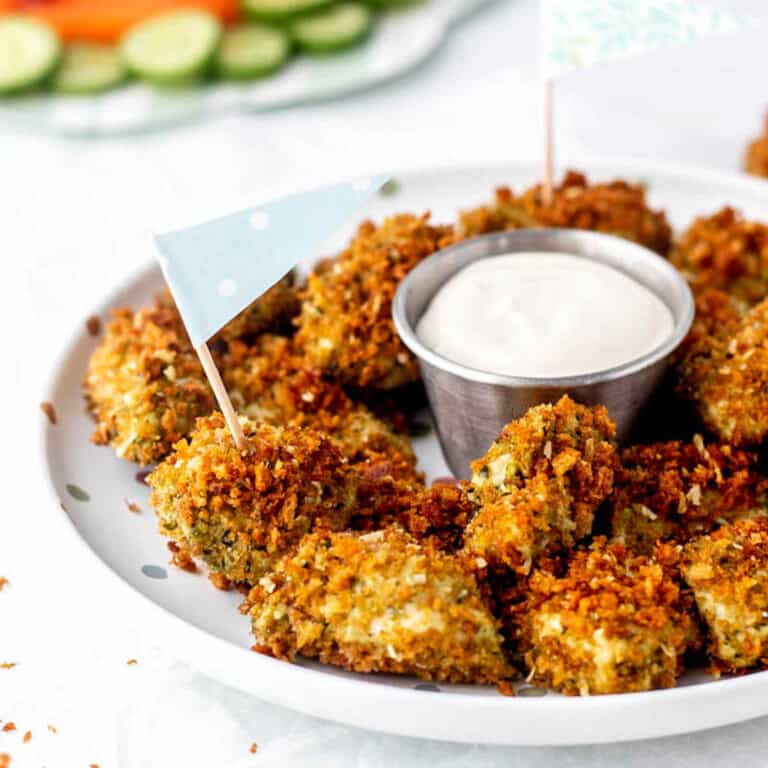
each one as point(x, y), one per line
point(202, 625)
point(401, 40)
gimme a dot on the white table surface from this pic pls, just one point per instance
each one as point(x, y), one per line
point(74, 219)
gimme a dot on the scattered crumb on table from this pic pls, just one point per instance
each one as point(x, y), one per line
point(254, 748)
point(131, 662)
point(8, 664)
point(5, 760)
point(27, 737)
point(52, 729)
point(3, 582)
point(93, 325)
point(9, 726)
point(47, 408)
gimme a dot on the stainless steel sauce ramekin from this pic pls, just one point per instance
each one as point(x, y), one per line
point(471, 406)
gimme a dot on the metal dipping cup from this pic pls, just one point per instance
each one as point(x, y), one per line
point(470, 406)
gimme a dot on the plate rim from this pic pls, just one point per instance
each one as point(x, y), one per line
point(350, 699)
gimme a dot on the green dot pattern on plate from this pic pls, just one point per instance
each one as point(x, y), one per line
point(154, 571)
point(76, 492)
point(389, 188)
point(427, 687)
point(532, 691)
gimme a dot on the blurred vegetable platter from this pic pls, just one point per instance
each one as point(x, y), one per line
point(91, 46)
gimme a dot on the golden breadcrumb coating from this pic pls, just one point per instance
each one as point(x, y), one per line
point(438, 514)
point(616, 208)
point(269, 381)
point(615, 623)
point(378, 602)
point(345, 328)
point(756, 160)
point(725, 252)
point(240, 512)
point(272, 311)
point(678, 491)
point(144, 384)
point(724, 376)
point(540, 483)
point(728, 573)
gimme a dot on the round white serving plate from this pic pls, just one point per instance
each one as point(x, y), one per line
point(202, 625)
point(401, 40)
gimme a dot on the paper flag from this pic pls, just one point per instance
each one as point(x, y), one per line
point(579, 33)
point(216, 269)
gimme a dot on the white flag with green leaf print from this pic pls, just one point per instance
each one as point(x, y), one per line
point(576, 34)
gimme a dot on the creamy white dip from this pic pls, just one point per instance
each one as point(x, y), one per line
point(543, 315)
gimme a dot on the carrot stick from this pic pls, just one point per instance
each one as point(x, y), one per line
point(107, 20)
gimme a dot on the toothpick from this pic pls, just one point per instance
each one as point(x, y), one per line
point(546, 189)
point(222, 398)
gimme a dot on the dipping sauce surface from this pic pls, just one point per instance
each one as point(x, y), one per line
point(543, 315)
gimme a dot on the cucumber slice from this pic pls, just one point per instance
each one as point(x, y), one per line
point(29, 52)
point(174, 48)
point(337, 28)
point(88, 68)
point(249, 51)
point(282, 10)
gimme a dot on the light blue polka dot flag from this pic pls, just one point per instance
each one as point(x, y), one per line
point(579, 33)
point(216, 269)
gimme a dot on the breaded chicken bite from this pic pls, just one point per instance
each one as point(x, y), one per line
point(615, 208)
point(438, 514)
point(537, 488)
point(680, 490)
point(239, 512)
point(269, 381)
point(378, 602)
point(724, 377)
point(725, 252)
point(345, 328)
point(615, 623)
point(756, 160)
point(144, 384)
point(728, 573)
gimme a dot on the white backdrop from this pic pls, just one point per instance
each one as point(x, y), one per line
point(74, 219)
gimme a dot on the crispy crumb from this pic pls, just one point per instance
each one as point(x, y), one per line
point(131, 662)
point(254, 748)
point(93, 765)
point(47, 408)
point(93, 325)
point(173, 546)
point(8, 664)
point(182, 559)
point(27, 737)
point(9, 726)
point(53, 729)
point(141, 477)
point(5, 760)
point(220, 581)
point(3, 582)
point(504, 687)
point(133, 506)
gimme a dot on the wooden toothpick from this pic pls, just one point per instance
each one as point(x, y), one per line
point(546, 189)
point(222, 398)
